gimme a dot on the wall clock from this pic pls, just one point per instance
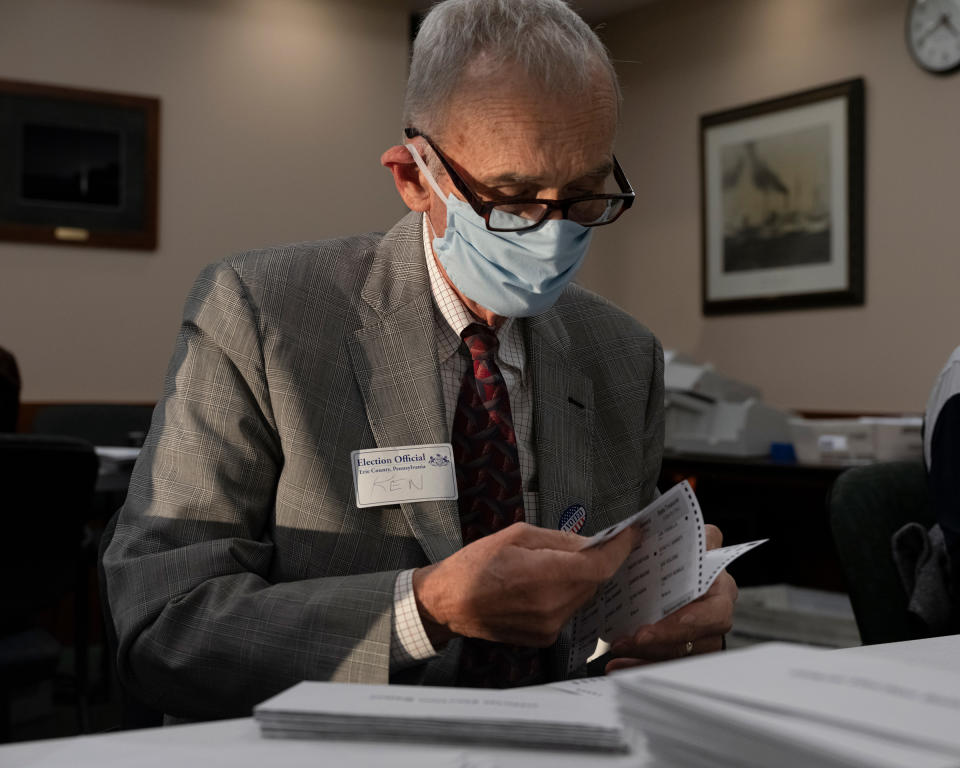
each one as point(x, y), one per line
point(933, 34)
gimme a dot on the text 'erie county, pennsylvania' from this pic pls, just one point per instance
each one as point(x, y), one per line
point(669, 568)
point(403, 474)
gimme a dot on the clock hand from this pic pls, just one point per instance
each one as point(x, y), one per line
point(930, 30)
point(947, 20)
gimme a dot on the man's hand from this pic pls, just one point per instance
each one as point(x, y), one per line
point(518, 586)
point(696, 628)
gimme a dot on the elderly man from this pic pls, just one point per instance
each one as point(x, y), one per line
point(248, 557)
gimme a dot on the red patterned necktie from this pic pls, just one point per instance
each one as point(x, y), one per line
point(490, 493)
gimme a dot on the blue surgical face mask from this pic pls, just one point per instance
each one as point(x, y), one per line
point(513, 274)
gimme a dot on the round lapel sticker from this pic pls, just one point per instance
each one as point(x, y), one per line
point(573, 518)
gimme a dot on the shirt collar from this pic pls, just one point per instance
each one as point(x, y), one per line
point(456, 316)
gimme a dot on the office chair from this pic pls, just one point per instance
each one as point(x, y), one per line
point(98, 423)
point(867, 505)
point(9, 391)
point(101, 424)
point(46, 493)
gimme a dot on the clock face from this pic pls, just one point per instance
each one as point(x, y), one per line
point(933, 34)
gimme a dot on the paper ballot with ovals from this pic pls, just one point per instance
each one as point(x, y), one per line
point(669, 568)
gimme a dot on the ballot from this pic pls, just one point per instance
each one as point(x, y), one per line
point(669, 568)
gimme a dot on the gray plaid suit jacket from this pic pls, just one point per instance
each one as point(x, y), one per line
point(240, 563)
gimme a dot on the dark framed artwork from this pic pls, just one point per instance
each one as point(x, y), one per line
point(782, 202)
point(78, 167)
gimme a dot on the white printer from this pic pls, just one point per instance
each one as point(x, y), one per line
point(710, 413)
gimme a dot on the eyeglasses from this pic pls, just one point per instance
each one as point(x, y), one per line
point(522, 214)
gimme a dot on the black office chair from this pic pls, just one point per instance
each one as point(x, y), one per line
point(9, 391)
point(46, 493)
point(867, 505)
point(98, 423)
point(101, 424)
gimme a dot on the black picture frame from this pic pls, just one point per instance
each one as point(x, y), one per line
point(78, 167)
point(782, 202)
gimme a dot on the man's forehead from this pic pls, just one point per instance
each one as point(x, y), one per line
point(498, 99)
point(519, 135)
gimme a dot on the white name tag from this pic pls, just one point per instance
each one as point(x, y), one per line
point(407, 473)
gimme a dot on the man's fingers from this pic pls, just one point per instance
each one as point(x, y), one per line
point(714, 537)
point(533, 537)
point(620, 545)
point(710, 616)
point(596, 564)
point(667, 652)
point(615, 665)
point(725, 584)
point(547, 573)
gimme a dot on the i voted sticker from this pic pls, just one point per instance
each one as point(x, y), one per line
point(403, 474)
point(573, 518)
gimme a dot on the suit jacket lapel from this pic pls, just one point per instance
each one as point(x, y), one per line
point(395, 364)
point(563, 421)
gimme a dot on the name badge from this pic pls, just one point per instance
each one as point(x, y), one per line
point(407, 473)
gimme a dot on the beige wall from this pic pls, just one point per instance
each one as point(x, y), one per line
point(273, 117)
point(682, 58)
point(274, 113)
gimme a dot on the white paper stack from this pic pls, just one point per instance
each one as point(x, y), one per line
point(539, 717)
point(790, 705)
point(793, 614)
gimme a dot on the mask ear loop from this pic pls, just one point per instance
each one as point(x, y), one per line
point(426, 171)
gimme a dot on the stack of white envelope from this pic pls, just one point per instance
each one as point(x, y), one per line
point(539, 716)
point(788, 705)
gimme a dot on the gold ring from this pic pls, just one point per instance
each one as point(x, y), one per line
point(688, 648)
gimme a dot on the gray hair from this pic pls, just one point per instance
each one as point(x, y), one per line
point(545, 38)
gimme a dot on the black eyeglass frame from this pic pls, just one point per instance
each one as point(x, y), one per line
point(484, 208)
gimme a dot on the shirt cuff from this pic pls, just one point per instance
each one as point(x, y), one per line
point(409, 643)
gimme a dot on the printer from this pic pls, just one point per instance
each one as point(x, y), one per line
point(710, 413)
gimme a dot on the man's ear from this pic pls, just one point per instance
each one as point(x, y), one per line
point(410, 184)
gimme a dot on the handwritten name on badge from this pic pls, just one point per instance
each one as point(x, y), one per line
point(403, 474)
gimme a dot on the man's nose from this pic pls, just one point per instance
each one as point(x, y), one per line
point(551, 194)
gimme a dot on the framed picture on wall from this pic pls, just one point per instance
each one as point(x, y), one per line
point(79, 166)
point(782, 202)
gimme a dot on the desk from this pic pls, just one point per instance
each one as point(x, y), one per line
point(757, 498)
point(237, 743)
point(113, 477)
point(116, 466)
